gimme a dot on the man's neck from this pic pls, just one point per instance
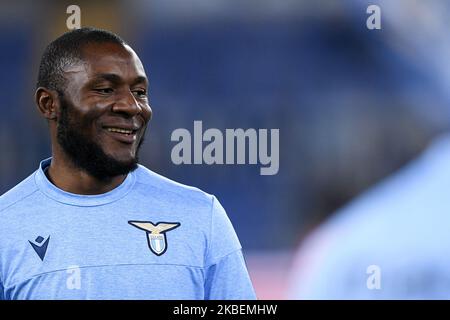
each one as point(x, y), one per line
point(76, 180)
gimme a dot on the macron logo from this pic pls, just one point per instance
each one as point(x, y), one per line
point(40, 246)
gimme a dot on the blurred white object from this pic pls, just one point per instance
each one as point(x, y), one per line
point(398, 232)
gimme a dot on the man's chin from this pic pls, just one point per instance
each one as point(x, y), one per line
point(129, 166)
point(123, 164)
point(105, 166)
point(121, 159)
point(127, 163)
point(111, 169)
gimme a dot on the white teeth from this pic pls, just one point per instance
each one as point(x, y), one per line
point(120, 130)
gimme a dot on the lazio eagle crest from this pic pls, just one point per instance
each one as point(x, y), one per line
point(156, 234)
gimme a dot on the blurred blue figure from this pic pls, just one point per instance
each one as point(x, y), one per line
point(391, 243)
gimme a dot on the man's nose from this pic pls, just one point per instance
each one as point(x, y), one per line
point(127, 104)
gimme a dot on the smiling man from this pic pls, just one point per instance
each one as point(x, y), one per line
point(91, 223)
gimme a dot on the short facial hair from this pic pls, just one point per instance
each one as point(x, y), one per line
point(85, 153)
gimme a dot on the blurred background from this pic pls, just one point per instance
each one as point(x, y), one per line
point(353, 105)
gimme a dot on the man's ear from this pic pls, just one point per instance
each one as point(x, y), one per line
point(47, 102)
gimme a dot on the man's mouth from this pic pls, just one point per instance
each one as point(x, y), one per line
point(127, 136)
point(123, 131)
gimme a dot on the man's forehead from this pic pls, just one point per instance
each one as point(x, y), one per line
point(104, 58)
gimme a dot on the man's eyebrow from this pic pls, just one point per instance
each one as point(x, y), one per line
point(111, 77)
point(114, 78)
point(140, 79)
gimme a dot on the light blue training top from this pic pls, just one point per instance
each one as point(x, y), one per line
point(149, 238)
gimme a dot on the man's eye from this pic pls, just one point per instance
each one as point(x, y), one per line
point(104, 90)
point(140, 93)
